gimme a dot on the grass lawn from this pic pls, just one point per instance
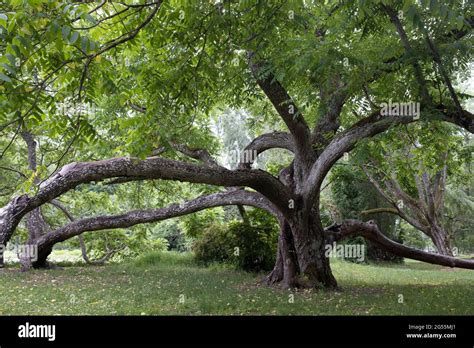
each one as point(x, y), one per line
point(169, 283)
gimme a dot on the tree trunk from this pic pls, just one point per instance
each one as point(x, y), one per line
point(286, 265)
point(42, 261)
point(9, 221)
point(276, 275)
point(35, 223)
point(441, 241)
point(309, 241)
point(310, 246)
point(36, 227)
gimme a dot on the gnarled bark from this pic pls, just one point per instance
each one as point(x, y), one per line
point(286, 269)
point(75, 174)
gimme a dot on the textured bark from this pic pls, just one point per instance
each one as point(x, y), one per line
point(345, 142)
point(75, 174)
point(276, 275)
point(441, 240)
point(309, 239)
point(275, 140)
point(286, 268)
point(289, 258)
point(75, 228)
point(282, 102)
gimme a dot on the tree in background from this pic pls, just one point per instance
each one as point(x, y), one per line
point(411, 171)
point(353, 193)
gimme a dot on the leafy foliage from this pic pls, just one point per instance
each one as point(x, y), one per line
point(250, 244)
point(257, 240)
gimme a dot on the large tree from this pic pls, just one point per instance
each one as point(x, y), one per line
point(155, 71)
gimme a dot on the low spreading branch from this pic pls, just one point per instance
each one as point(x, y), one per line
point(370, 231)
point(132, 218)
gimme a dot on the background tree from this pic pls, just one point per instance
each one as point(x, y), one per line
point(353, 194)
point(414, 175)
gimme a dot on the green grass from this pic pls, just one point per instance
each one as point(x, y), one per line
point(155, 283)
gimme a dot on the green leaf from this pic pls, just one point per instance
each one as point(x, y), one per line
point(84, 43)
point(11, 58)
point(443, 12)
point(89, 18)
point(10, 69)
point(5, 78)
point(3, 19)
point(411, 14)
point(55, 27)
point(74, 37)
point(92, 45)
point(17, 50)
point(65, 32)
point(433, 6)
point(460, 22)
point(66, 8)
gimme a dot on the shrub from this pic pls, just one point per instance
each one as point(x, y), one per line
point(215, 244)
point(250, 245)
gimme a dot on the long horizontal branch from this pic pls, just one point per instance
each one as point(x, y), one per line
point(136, 217)
point(370, 231)
point(74, 174)
point(380, 210)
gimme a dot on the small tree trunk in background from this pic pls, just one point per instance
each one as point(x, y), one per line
point(35, 223)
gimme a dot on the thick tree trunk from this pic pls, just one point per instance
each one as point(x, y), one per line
point(310, 247)
point(301, 261)
point(302, 250)
point(441, 241)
